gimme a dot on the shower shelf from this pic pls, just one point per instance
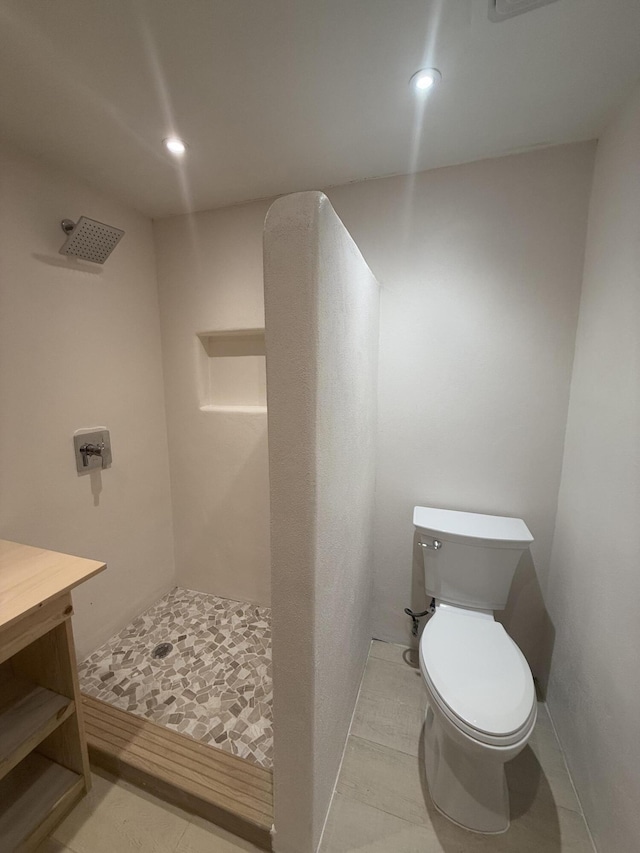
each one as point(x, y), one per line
point(247, 410)
point(255, 331)
point(232, 371)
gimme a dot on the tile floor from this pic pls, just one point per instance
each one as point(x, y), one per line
point(215, 683)
point(117, 817)
point(381, 804)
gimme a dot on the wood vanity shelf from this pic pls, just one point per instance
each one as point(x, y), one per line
point(44, 767)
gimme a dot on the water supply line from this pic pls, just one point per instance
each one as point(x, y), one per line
point(416, 616)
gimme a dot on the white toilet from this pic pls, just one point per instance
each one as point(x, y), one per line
point(482, 702)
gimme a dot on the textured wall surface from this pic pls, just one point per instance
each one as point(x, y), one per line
point(80, 347)
point(594, 590)
point(210, 278)
point(322, 337)
point(480, 268)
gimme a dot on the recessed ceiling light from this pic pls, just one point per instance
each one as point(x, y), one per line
point(175, 146)
point(425, 79)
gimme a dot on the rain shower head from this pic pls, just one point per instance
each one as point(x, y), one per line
point(90, 240)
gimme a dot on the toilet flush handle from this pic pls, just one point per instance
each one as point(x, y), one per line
point(437, 544)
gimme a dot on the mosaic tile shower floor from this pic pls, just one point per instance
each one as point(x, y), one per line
point(215, 683)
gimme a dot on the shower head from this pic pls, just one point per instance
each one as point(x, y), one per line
point(90, 240)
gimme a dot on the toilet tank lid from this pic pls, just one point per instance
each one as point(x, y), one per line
point(462, 526)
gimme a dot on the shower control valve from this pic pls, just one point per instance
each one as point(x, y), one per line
point(88, 450)
point(92, 449)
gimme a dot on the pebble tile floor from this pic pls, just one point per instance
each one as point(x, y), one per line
point(380, 804)
point(215, 683)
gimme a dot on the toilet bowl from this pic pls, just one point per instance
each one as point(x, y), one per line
point(481, 696)
point(482, 710)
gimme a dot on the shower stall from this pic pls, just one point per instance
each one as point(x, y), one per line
point(238, 504)
point(191, 674)
point(198, 661)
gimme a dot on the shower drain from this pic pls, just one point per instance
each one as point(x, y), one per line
point(162, 650)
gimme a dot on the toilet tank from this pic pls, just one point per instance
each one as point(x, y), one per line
point(469, 559)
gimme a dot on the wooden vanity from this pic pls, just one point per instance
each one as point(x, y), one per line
point(44, 768)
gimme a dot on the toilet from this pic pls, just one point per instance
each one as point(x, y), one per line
point(481, 697)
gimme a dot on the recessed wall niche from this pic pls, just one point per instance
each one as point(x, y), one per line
point(232, 371)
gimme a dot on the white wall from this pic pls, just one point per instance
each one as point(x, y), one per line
point(480, 267)
point(79, 347)
point(209, 278)
point(594, 589)
point(322, 338)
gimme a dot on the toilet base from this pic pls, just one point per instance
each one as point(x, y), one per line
point(468, 787)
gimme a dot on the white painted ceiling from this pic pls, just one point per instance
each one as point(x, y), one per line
point(275, 96)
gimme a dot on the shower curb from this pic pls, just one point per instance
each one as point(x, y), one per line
point(229, 791)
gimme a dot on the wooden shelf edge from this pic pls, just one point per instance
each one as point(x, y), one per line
point(30, 714)
point(62, 808)
point(34, 798)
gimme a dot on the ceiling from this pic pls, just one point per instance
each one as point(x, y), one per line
point(275, 96)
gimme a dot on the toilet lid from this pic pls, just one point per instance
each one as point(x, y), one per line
point(478, 672)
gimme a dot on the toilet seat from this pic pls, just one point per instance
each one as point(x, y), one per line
point(478, 676)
